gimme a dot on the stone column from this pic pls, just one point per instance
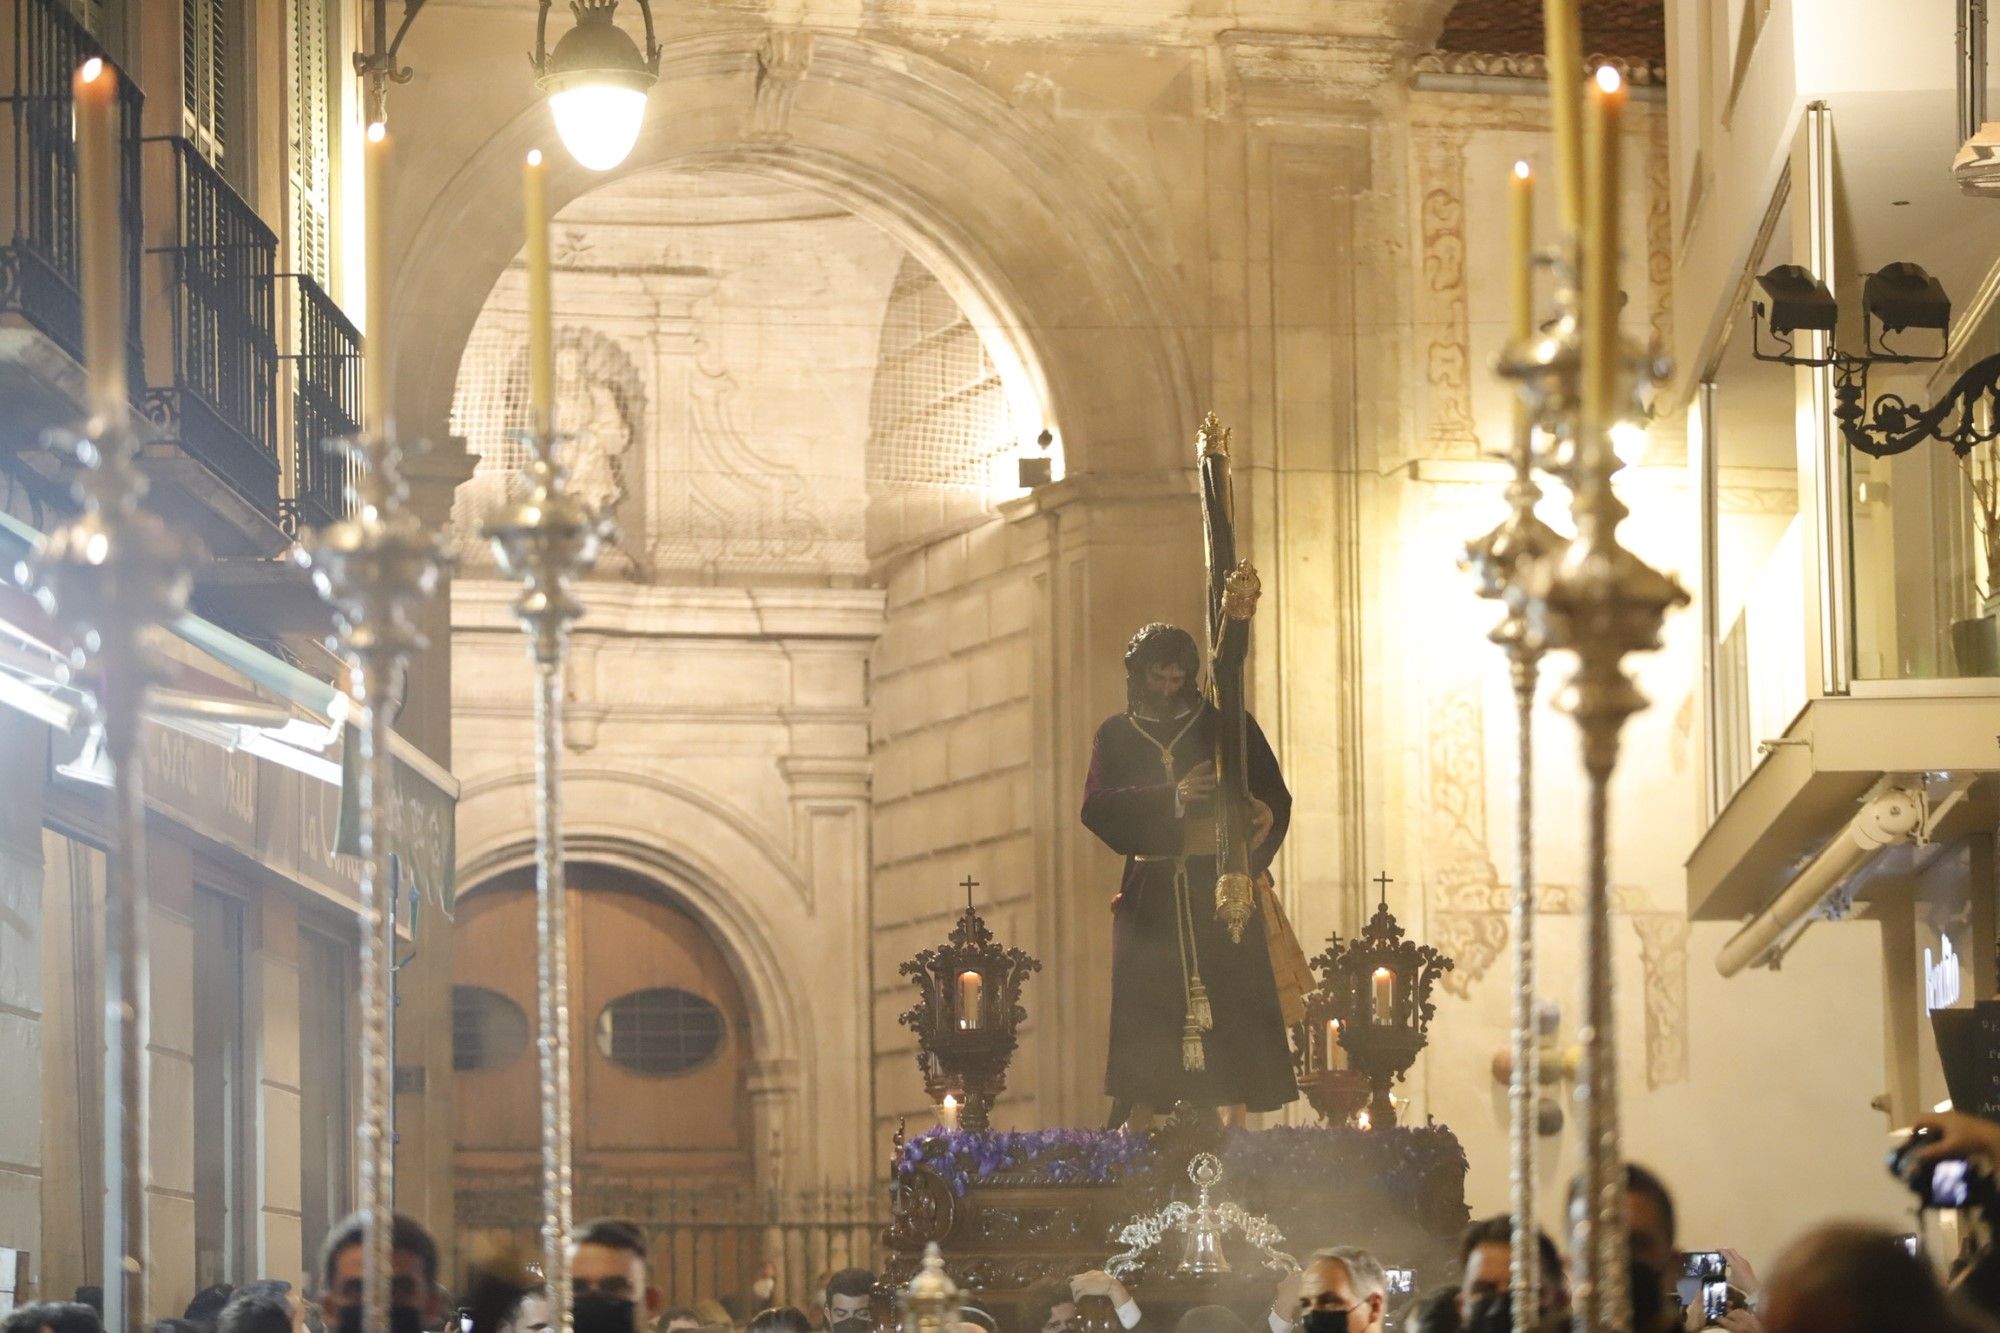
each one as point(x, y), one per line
point(423, 988)
point(273, 966)
point(1120, 551)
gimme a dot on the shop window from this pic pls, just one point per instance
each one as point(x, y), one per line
point(660, 1032)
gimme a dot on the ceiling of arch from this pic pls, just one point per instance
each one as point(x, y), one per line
point(722, 363)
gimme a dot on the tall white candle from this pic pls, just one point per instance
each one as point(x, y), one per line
point(95, 88)
point(541, 298)
point(375, 348)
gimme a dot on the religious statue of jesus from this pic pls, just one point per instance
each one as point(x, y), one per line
point(1195, 1015)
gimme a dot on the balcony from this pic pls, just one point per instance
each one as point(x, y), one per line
point(41, 305)
point(326, 404)
point(216, 413)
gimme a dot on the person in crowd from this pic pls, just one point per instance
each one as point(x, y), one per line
point(677, 1319)
point(1210, 1319)
point(1095, 1283)
point(848, 1296)
point(1341, 1290)
point(762, 1295)
point(1486, 1260)
point(1049, 1306)
point(1651, 1244)
point(93, 1296)
point(206, 1307)
point(257, 1312)
point(413, 1276)
point(612, 1292)
point(279, 1290)
point(972, 1319)
point(816, 1307)
point(52, 1317)
point(1437, 1312)
point(713, 1312)
point(173, 1325)
point(781, 1319)
point(1849, 1278)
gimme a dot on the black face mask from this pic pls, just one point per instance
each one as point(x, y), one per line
point(1326, 1321)
point(855, 1319)
point(402, 1319)
point(594, 1312)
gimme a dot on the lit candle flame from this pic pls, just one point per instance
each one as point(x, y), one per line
point(1608, 78)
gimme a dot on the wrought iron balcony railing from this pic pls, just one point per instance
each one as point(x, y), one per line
point(221, 403)
point(326, 404)
point(39, 263)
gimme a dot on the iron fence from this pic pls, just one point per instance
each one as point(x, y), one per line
point(326, 404)
point(222, 404)
point(702, 1242)
point(39, 265)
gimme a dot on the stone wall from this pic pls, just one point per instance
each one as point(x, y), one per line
point(953, 718)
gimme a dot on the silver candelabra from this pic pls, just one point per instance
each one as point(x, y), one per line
point(377, 570)
point(544, 540)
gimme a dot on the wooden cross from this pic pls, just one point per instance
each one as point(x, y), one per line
point(1382, 881)
point(969, 885)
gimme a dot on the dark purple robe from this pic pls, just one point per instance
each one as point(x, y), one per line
point(1129, 803)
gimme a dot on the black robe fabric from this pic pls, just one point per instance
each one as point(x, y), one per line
point(1128, 802)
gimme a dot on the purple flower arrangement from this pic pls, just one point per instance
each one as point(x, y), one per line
point(1062, 1156)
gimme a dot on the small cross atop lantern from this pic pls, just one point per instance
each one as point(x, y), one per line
point(967, 1017)
point(1374, 1003)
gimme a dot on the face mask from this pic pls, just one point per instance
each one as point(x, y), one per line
point(594, 1312)
point(1325, 1321)
point(402, 1319)
point(763, 1287)
point(852, 1319)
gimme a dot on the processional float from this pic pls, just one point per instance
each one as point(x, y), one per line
point(113, 576)
point(1588, 596)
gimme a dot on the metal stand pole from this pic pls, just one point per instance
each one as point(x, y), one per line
point(377, 570)
point(1502, 558)
point(544, 540)
point(112, 576)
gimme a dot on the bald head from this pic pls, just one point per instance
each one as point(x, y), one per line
point(1849, 1278)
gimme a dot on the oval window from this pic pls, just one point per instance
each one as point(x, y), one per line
point(660, 1032)
point(487, 1028)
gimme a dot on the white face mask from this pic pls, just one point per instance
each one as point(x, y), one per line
point(763, 1287)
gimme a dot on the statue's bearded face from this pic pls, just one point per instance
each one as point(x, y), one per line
point(1164, 682)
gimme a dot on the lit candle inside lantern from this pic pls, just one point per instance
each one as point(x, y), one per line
point(1385, 995)
point(1336, 1054)
point(1562, 40)
point(971, 986)
point(948, 1112)
point(1600, 262)
point(541, 300)
point(1362, 1120)
point(1521, 248)
point(375, 348)
point(97, 157)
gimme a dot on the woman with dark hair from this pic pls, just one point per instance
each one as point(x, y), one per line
point(781, 1319)
point(1194, 1014)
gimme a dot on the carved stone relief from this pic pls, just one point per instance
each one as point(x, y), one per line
point(1470, 913)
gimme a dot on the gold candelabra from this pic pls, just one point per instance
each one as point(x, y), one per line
point(377, 570)
point(543, 540)
point(1596, 600)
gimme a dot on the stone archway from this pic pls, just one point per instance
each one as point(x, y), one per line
point(798, 1138)
point(1026, 235)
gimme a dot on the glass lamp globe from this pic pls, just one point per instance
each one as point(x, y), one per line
point(596, 81)
point(598, 122)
